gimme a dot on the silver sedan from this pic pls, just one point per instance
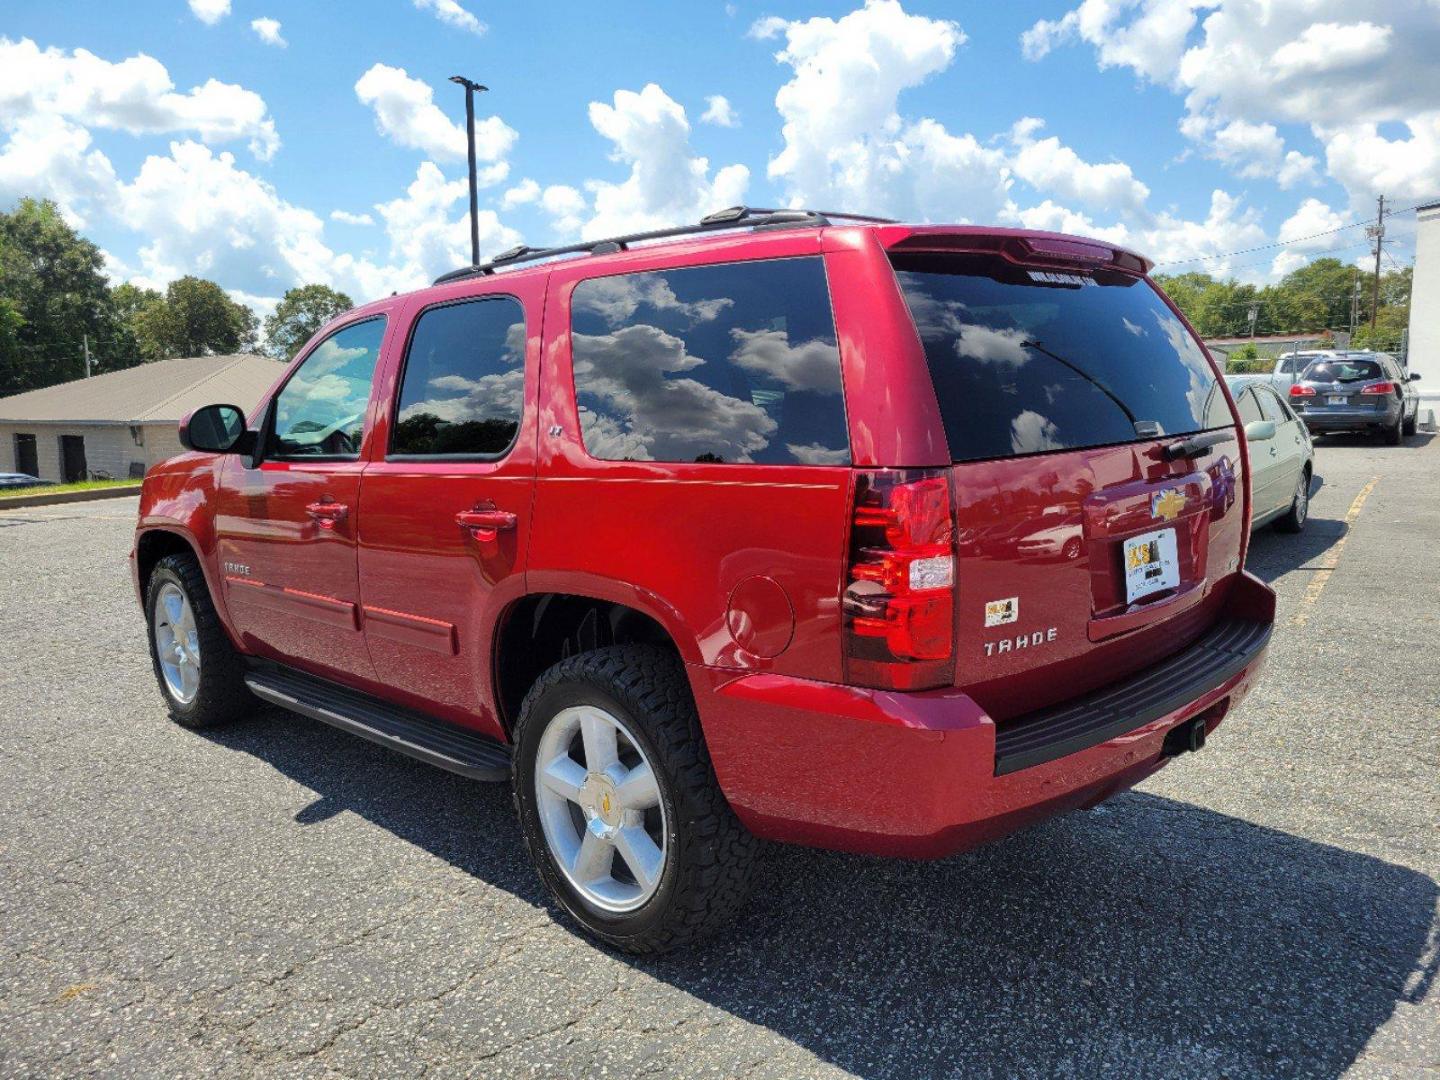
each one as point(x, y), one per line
point(1282, 457)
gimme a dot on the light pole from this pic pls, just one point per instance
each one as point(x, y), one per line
point(471, 89)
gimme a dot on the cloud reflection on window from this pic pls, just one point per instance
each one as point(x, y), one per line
point(732, 363)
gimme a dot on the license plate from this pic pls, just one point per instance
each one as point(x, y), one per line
point(1152, 564)
point(1337, 399)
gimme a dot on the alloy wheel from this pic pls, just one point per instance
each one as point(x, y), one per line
point(177, 643)
point(600, 808)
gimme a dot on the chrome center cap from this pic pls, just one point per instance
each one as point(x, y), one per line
point(600, 803)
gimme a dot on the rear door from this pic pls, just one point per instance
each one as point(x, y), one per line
point(1060, 392)
point(1290, 447)
point(446, 505)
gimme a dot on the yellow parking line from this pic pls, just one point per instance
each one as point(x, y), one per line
point(1322, 574)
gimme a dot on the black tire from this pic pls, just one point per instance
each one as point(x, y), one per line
point(1395, 433)
point(1299, 512)
point(222, 695)
point(1411, 426)
point(706, 876)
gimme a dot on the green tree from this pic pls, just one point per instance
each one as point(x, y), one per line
point(54, 291)
point(194, 318)
point(300, 313)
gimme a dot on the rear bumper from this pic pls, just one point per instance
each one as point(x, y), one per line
point(1351, 419)
point(918, 774)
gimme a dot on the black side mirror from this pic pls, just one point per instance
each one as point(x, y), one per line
point(215, 429)
point(1414, 376)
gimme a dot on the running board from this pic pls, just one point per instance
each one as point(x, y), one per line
point(413, 734)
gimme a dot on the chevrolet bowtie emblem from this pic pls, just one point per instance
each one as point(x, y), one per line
point(1167, 504)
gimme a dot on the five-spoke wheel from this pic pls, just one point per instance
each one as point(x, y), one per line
point(177, 643)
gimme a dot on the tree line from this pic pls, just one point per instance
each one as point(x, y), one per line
point(1314, 299)
point(55, 301)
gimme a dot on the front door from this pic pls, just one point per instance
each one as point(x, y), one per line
point(1265, 463)
point(445, 510)
point(286, 530)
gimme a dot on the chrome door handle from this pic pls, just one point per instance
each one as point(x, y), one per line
point(327, 514)
point(484, 525)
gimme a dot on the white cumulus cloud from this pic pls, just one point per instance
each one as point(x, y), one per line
point(452, 14)
point(210, 11)
point(406, 114)
point(667, 182)
point(720, 112)
point(136, 96)
point(268, 31)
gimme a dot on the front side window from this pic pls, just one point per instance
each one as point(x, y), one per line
point(1270, 405)
point(729, 363)
point(1028, 361)
point(1249, 408)
point(320, 412)
point(464, 383)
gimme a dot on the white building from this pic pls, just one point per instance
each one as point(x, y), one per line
point(119, 424)
point(1424, 354)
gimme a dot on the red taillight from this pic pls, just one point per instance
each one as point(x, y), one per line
point(1296, 390)
point(899, 600)
point(1378, 388)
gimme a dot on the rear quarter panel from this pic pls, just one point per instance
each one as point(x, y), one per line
point(676, 540)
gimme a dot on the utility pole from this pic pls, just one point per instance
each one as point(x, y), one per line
point(1355, 302)
point(85, 340)
point(471, 89)
point(1377, 232)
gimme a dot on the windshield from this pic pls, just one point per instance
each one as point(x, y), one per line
point(1029, 361)
point(1343, 371)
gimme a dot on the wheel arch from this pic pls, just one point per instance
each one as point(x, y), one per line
point(540, 629)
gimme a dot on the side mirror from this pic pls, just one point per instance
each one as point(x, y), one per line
point(1260, 430)
point(1414, 377)
point(215, 429)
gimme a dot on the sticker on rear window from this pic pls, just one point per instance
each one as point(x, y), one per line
point(1051, 278)
point(1000, 612)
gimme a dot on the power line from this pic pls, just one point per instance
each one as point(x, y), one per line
point(1295, 240)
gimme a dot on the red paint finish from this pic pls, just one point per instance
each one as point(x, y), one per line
point(393, 575)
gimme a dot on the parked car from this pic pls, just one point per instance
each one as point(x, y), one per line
point(1286, 371)
point(22, 480)
point(664, 534)
point(1358, 391)
point(1282, 458)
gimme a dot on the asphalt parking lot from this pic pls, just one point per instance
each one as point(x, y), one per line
point(280, 898)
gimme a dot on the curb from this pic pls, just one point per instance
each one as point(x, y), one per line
point(15, 502)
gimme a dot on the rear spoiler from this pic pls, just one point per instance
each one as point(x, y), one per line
point(1019, 246)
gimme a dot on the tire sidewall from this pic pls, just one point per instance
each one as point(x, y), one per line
point(611, 926)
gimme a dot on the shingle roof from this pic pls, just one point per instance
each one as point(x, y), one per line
point(164, 390)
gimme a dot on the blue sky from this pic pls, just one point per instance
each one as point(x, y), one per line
point(1186, 129)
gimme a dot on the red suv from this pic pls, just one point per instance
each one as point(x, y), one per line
point(794, 526)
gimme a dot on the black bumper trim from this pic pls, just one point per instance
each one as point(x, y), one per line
point(1047, 734)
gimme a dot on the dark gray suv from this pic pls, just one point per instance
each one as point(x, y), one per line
point(1357, 391)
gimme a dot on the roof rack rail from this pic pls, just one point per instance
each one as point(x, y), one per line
point(734, 217)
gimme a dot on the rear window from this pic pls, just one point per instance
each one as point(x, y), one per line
point(1343, 371)
point(1028, 361)
point(730, 363)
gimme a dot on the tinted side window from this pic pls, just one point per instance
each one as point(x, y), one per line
point(733, 363)
point(320, 412)
point(464, 382)
point(1249, 410)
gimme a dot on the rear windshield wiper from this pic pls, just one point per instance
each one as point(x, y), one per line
point(1134, 420)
